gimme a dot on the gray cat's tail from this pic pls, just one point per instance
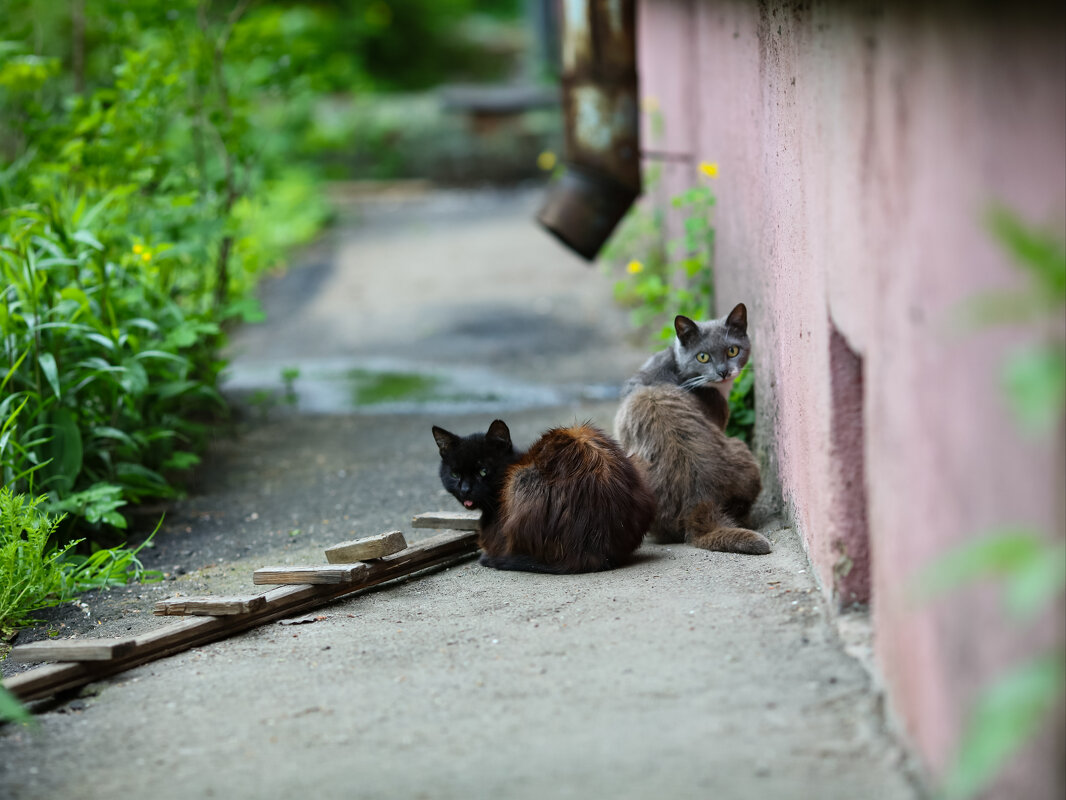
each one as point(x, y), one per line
point(708, 527)
point(704, 481)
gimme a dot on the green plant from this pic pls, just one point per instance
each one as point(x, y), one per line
point(742, 406)
point(1030, 565)
point(661, 279)
point(35, 573)
point(289, 376)
point(11, 710)
point(142, 195)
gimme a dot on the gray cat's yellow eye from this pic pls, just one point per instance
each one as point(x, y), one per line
point(732, 351)
point(482, 472)
point(703, 358)
point(455, 474)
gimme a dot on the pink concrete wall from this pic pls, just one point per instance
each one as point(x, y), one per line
point(859, 152)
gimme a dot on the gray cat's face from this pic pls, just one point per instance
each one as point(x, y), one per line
point(713, 351)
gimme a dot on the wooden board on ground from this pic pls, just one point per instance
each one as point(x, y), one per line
point(449, 520)
point(73, 650)
point(384, 544)
point(208, 606)
point(285, 601)
point(291, 576)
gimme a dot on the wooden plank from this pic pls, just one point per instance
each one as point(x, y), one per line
point(73, 650)
point(384, 544)
point(286, 601)
point(449, 520)
point(207, 606)
point(334, 573)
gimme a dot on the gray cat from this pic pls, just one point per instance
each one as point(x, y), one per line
point(672, 423)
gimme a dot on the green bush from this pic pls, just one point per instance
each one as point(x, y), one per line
point(138, 214)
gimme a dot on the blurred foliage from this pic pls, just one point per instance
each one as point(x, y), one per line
point(139, 207)
point(1029, 564)
point(155, 160)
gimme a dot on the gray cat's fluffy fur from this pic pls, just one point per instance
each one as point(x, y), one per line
point(704, 481)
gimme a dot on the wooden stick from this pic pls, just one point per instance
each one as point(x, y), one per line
point(449, 520)
point(384, 544)
point(337, 573)
point(73, 650)
point(279, 603)
point(207, 606)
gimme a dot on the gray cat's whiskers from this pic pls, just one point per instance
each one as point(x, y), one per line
point(695, 382)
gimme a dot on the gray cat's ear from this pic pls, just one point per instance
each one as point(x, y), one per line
point(499, 430)
point(687, 330)
point(738, 319)
point(445, 440)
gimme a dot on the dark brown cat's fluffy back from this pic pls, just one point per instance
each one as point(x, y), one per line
point(573, 503)
point(704, 481)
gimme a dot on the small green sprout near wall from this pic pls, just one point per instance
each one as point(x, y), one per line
point(1029, 564)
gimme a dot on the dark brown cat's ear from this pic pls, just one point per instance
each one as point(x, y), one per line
point(499, 430)
point(738, 318)
point(686, 329)
point(445, 440)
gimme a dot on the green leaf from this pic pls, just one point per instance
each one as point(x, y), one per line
point(1007, 714)
point(47, 362)
point(181, 460)
point(100, 339)
point(65, 451)
point(11, 709)
point(87, 238)
point(161, 354)
point(1035, 382)
point(1042, 254)
point(134, 378)
point(247, 309)
point(107, 432)
point(1035, 583)
point(1008, 551)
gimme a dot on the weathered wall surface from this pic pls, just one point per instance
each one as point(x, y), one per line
point(860, 149)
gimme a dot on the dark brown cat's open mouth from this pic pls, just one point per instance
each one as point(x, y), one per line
point(468, 503)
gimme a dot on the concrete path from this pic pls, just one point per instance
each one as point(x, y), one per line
point(687, 674)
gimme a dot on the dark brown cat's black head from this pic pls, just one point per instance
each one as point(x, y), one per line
point(473, 468)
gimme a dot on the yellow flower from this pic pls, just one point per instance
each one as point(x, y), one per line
point(546, 160)
point(146, 256)
point(634, 267)
point(138, 249)
point(709, 168)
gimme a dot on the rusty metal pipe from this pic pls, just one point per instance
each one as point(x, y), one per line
point(601, 125)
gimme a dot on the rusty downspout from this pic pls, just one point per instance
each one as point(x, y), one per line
point(601, 125)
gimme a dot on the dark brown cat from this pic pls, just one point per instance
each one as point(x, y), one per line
point(573, 503)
